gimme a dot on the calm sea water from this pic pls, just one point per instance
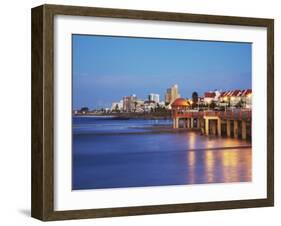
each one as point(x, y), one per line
point(110, 153)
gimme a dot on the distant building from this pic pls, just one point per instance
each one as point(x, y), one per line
point(161, 104)
point(200, 100)
point(217, 95)
point(247, 96)
point(84, 110)
point(172, 94)
point(154, 97)
point(212, 96)
point(168, 96)
point(209, 97)
point(139, 106)
point(241, 98)
point(117, 106)
point(149, 105)
point(130, 103)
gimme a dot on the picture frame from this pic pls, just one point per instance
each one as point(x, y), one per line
point(43, 108)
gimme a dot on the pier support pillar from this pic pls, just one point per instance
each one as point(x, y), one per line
point(235, 129)
point(177, 123)
point(198, 123)
point(219, 127)
point(188, 123)
point(207, 126)
point(191, 123)
point(228, 131)
point(213, 127)
point(244, 130)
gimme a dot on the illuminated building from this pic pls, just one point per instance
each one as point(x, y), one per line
point(172, 94)
point(154, 97)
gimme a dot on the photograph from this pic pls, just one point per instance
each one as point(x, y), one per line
point(160, 112)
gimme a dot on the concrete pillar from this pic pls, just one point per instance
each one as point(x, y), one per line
point(198, 123)
point(213, 127)
point(206, 126)
point(244, 130)
point(228, 128)
point(219, 127)
point(191, 123)
point(188, 123)
point(174, 123)
point(177, 123)
point(235, 129)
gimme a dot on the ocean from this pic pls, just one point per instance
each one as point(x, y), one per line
point(113, 153)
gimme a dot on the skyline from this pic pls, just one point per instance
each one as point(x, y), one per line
point(106, 68)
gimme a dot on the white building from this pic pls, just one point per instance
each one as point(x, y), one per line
point(209, 97)
point(154, 97)
point(117, 106)
point(149, 105)
point(237, 97)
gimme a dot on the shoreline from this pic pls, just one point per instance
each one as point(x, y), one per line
point(158, 129)
point(164, 131)
point(127, 116)
point(150, 129)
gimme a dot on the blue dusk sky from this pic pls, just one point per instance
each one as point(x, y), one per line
point(107, 68)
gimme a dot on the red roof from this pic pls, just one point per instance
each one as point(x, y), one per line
point(236, 93)
point(180, 102)
point(210, 94)
point(247, 92)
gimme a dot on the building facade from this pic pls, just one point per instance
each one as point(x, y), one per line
point(172, 94)
point(130, 103)
point(154, 97)
point(117, 106)
point(237, 98)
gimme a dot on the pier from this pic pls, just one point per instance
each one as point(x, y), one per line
point(236, 123)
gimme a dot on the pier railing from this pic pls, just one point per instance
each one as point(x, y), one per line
point(238, 114)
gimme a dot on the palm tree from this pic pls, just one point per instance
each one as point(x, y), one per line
point(135, 103)
point(194, 99)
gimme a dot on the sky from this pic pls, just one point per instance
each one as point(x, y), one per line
point(106, 68)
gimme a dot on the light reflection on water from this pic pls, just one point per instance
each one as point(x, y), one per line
point(111, 161)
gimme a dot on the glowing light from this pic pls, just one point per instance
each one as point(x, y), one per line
point(191, 140)
point(229, 159)
point(209, 164)
point(191, 158)
point(191, 161)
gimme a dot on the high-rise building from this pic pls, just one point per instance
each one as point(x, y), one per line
point(154, 97)
point(168, 96)
point(129, 103)
point(172, 94)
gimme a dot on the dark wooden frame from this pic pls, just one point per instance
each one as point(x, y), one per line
point(42, 203)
